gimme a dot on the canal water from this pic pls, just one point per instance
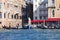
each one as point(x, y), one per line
point(30, 34)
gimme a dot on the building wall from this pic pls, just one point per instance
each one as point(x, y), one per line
point(54, 7)
point(51, 6)
point(35, 9)
point(9, 8)
point(39, 9)
point(57, 13)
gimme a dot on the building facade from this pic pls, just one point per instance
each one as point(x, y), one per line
point(46, 11)
point(53, 8)
point(27, 12)
point(10, 13)
point(29, 1)
point(40, 10)
point(54, 12)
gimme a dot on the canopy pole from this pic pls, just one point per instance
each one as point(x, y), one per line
point(58, 23)
point(44, 22)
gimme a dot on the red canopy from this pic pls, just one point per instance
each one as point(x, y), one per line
point(53, 19)
point(35, 21)
point(48, 20)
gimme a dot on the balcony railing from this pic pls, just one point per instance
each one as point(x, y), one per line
point(51, 6)
point(43, 9)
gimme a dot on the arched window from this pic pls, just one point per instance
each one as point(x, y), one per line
point(9, 15)
point(12, 16)
point(16, 16)
point(53, 13)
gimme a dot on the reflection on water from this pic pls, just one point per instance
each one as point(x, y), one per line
point(30, 34)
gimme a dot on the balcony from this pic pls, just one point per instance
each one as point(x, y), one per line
point(51, 6)
point(43, 9)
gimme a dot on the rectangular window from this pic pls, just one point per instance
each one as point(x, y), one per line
point(16, 8)
point(41, 6)
point(44, 17)
point(35, 17)
point(0, 15)
point(9, 6)
point(0, 5)
point(8, 15)
point(42, 12)
point(29, 0)
point(53, 1)
point(36, 11)
point(40, 17)
point(20, 17)
point(59, 5)
point(0, 22)
point(4, 15)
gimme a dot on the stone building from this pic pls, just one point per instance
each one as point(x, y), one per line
point(46, 11)
point(54, 12)
point(10, 13)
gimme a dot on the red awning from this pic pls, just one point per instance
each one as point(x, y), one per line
point(53, 19)
point(35, 21)
point(48, 20)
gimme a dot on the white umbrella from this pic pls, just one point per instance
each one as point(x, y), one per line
point(29, 21)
